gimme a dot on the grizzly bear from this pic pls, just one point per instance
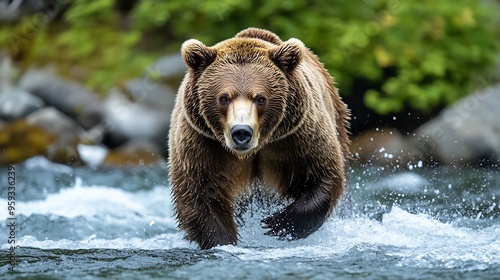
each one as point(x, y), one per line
point(255, 109)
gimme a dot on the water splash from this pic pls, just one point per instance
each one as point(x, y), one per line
point(419, 225)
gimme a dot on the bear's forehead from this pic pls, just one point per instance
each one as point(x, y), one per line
point(240, 78)
point(243, 50)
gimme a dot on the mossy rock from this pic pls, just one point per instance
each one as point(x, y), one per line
point(384, 147)
point(120, 159)
point(20, 141)
point(134, 153)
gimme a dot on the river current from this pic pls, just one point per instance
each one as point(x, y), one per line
point(418, 223)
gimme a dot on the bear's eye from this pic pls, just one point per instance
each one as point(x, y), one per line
point(224, 100)
point(261, 100)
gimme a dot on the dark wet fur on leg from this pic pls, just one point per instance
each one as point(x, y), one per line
point(298, 220)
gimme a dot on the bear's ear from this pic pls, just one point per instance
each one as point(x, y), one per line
point(196, 54)
point(288, 55)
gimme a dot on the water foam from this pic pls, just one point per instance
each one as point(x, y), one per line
point(109, 208)
point(90, 201)
point(417, 240)
point(41, 162)
point(159, 242)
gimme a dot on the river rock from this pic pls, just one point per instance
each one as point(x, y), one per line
point(136, 152)
point(126, 119)
point(68, 97)
point(168, 70)
point(16, 103)
point(466, 132)
point(13, 11)
point(66, 131)
point(152, 94)
point(20, 140)
point(384, 147)
point(9, 12)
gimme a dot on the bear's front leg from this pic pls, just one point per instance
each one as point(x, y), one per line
point(202, 195)
point(206, 216)
point(309, 210)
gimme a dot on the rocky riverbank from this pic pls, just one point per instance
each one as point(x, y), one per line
point(465, 133)
point(43, 114)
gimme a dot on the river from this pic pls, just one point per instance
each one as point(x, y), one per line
point(423, 223)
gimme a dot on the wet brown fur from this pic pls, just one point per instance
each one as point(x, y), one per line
point(302, 147)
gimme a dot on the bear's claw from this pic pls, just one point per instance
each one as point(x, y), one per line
point(280, 225)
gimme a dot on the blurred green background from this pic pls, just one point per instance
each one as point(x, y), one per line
point(387, 56)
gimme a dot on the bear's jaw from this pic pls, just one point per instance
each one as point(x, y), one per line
point(241, 152)
point(241, 155)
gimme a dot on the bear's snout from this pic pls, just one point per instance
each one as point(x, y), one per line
point(241, 134)
point(241, 129)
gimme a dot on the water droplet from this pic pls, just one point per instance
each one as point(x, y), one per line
point(93, 236)
point(479, 216)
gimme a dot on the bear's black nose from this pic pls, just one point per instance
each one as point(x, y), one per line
point(242, 134)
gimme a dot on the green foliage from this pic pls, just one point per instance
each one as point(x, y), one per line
point(418, 54)
point(435, 50)
point(95, 46)
point(88, 44)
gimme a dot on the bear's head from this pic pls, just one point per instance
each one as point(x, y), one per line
point(242, 91)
